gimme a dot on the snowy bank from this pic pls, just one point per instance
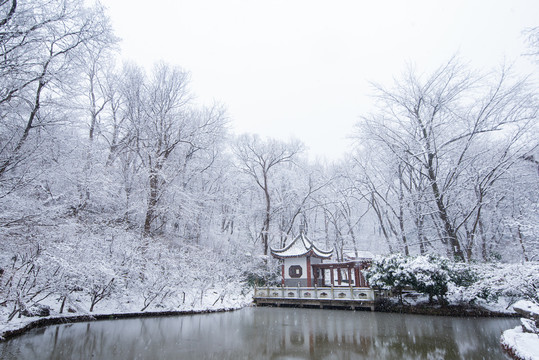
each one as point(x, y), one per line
point(115, 310)
point(87, 271)
point(521, 345)
point(419, 305)
point(20, 327)
point(490, 287)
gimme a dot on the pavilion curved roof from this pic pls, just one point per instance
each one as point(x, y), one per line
point(301, 246)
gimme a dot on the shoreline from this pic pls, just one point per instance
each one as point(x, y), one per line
point(449, 310)
point(57, 320)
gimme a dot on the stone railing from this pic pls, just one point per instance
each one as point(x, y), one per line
point(318, 293)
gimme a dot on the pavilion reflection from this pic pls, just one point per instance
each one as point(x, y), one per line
point(321, 337)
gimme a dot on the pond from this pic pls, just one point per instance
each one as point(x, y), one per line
point(268, 333)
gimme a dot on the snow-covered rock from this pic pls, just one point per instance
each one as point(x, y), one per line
point(529, 326)
point(523, 346)
point(527, 308)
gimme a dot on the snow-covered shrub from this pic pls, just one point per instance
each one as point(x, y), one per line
point(24, 282)
point(261, 271)
point(389, 273)
point(462, 274)
point(459, 282)
point(510, 281)
point(99, 291)
point(429, 275)
point(156, 285)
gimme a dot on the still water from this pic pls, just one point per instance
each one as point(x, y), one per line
point(268, 333)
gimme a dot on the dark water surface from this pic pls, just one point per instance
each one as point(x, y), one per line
point(268, 333)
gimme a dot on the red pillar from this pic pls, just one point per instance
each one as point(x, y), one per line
point(309, 284)
point(363, 280)
point(358, 279)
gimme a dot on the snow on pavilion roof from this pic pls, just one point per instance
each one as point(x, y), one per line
point(301, 246)
point(360, 255)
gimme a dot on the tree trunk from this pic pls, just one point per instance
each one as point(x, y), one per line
point(450, 233)
point(29, 126)
point(521, 241)
point(401, 214)
point(152, 202)
point(266, 227)
point(381, 223)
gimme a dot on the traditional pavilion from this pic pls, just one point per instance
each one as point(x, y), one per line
point(303, 265)
point(298, 258)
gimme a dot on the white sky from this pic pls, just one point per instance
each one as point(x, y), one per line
point(301, 68)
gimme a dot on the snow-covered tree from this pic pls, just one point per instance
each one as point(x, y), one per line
point(449, 137)
point(259, 159)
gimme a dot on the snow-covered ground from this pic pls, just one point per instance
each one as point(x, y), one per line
point(219, 299)
point(96, 270)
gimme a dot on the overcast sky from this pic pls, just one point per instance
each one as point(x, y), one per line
point(302, 68)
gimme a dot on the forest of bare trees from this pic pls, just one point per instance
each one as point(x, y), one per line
point(119, 161)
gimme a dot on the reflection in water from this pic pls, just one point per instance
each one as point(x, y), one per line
point(268, 333)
